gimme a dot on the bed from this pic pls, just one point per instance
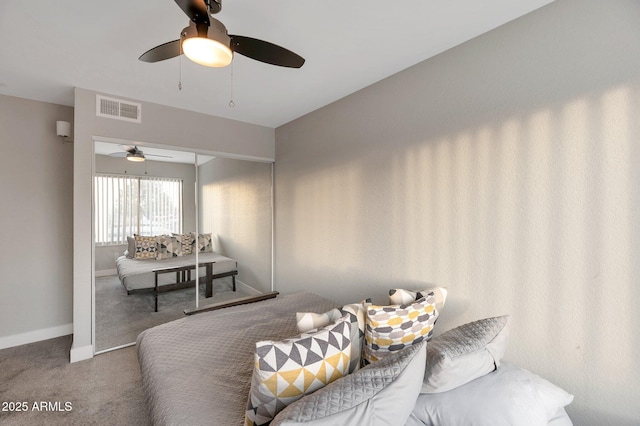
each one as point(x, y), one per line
point(198, 370)
point(137, 275)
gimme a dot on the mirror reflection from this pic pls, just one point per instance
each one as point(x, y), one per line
point(158, 218)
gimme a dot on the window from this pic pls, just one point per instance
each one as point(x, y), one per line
point(127, 205)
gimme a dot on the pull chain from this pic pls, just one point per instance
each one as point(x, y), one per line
point(231, 103)
point(180, 67)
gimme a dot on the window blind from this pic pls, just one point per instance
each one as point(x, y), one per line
point(128, 205)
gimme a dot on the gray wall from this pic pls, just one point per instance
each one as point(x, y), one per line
point(235, 205)
point(160, 125)
point(105, 255)
point(36, 181)
point(506, 169)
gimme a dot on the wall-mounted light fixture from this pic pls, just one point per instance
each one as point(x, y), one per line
point(63, 129)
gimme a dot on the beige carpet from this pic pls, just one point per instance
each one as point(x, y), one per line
point(105, 390)
point(121, 317)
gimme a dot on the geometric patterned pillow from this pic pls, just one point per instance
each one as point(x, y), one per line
point(360, 311)
point(400, 296)
point(145, 247)
point(307, 321)
point(168, 247)
point(286, 371)
point(185, 243)
point(391, 328)
point(204, 243)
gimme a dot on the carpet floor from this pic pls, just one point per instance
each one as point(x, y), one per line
point(105, 390)
point(121, 317)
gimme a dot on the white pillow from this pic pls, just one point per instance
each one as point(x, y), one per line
point(509, 396)
point(382, 393)
point(400, 296)
point(465, 353)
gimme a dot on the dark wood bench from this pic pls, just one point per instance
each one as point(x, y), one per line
point(183, 279)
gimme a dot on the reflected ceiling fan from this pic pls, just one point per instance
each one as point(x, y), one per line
point(133, 153)
point(206, 41)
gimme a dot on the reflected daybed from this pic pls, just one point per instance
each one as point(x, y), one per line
point(137, 275)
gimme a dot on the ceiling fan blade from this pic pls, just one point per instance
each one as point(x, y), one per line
point(196, 10)
point(157, 155)
point(264, 51)
point(160, 53)
point(119, 154)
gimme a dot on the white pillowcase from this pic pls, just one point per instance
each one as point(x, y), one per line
point(400, 296)
point(465, 353)
point(509, 396)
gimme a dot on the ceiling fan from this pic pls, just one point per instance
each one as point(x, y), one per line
point(133, 153)
point(206, 41)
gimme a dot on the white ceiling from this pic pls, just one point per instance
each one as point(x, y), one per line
point(49, 47)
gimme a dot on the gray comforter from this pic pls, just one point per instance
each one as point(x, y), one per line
point(197, 370)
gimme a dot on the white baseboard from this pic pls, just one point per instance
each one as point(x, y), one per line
point(106, 273)
point(35, 336)
point(81, 353)
point(247, 288)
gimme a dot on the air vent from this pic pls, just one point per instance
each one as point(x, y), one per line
point(118, 109)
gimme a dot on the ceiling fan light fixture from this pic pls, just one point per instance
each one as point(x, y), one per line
point(207, 52)
point(135, 156)
point(212, 50)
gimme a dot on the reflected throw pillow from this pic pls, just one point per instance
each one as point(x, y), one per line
point(168, 247)
point(130, 252)
point(145, 247)
point(204, 243)
point(185, 243)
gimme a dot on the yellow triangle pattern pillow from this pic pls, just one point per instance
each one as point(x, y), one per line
point(286, 371)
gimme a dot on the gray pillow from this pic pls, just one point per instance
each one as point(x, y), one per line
point(465, 353)
point(384, 392)
point(131, 247)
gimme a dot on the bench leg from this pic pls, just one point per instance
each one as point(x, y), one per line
point(233, 278)
point(156, 292)
point(209, 280)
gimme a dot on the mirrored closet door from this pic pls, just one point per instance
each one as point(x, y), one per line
point(157, 213)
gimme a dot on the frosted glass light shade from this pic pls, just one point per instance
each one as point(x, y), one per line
point(137, 157)
point(207, 52)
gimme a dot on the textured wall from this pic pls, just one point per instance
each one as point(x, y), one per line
point(235, 206)
point(505, 169)
point(36, 186)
